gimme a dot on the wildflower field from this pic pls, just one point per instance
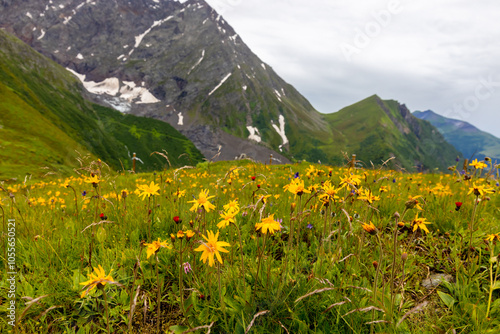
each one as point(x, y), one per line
point(244, 247)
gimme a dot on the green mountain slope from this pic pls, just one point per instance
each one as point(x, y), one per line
point(376, 130)
point(466, 138)
point(44, 120)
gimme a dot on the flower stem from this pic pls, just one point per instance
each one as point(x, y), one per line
point(106, 308)
point(158, 295)
point(493, 279)
point(181, 281)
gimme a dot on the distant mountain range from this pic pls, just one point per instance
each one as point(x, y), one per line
point(183, 64)
point(472, 142)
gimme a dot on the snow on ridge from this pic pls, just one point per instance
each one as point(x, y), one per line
point(220, 83)
point(198, 62)
point(254, 134)
point(67, 19)
point(138, 39)
point(41, 36)
point(278, 95)
point(281, 131)
point(181, 118)
point(28, 14)
point(263, 66)
point(79, 56)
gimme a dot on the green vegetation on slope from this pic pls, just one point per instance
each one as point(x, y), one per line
point(376, 130)
point(45, 102)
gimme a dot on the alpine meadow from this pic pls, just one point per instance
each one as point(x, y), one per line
point(157, 176)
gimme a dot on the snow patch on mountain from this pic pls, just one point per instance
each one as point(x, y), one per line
point(41, 36)
point(281, 131)
point(126, 91)
point(254, 134)
point(138, 39)
point(181, 118)
point(220, 84)
point(198, 62)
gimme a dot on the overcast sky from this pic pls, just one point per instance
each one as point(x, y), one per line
point(441, 55)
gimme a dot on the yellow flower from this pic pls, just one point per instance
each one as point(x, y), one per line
point(94, 179)
point(264, 198)
point(212, 248)
point(329, 193)
point(296, 187)
point(366, 195)
point(384, 189)
point(419, 223)
point(233, 205)
point(478, 164)
point(180, 193)
point(413, 203)
point(148, 191)
point(180, 234)
point(351, 179)
point(96, 279)
point(202, 201)
point(369, 228)
point(189, 234)
point(492, 237)
point(227, 218)
point(155, 246)
point(480, 190)
point(268, 224)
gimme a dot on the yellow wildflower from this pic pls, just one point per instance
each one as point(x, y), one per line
point(212, 248)
point(268, 224)
point(96, 279)
point(155, 246)
point(202, 201)
point(148, 191)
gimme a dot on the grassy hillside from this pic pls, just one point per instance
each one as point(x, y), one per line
point(376, 130)
point(42, 106)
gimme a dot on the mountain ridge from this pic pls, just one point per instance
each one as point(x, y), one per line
point(468, 139)
point(184, 64)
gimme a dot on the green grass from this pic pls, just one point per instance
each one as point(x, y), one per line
point(317, 274)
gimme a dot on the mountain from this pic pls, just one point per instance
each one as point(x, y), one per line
point(182, 63)
point(178, 62)
point(46, 124)
point(472, 142)
point(377, 129)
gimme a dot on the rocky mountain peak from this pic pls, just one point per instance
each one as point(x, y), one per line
point(178, 62)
